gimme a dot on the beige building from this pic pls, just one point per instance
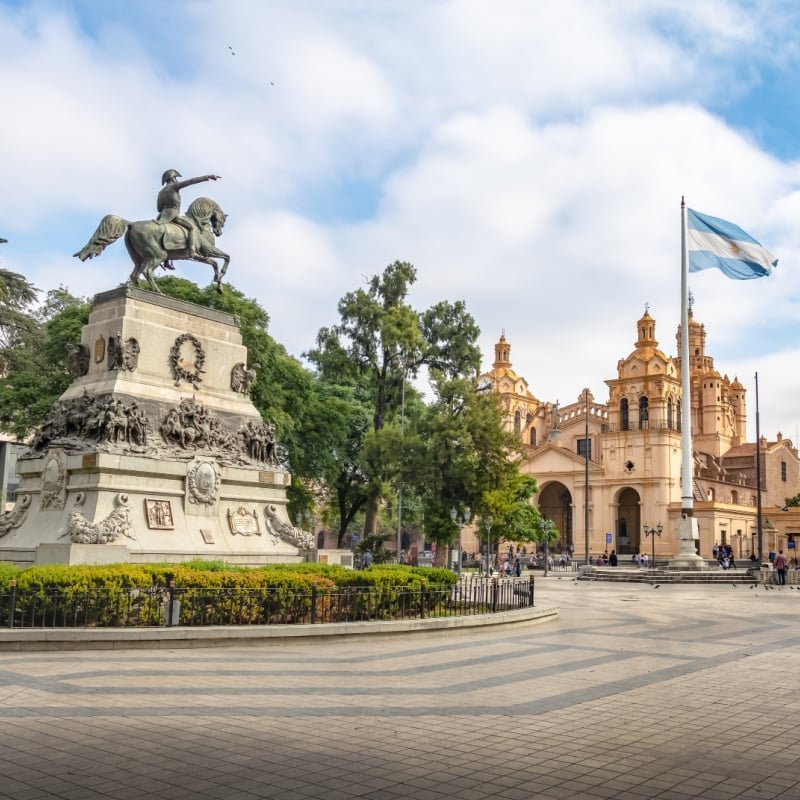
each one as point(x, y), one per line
point(633, 445)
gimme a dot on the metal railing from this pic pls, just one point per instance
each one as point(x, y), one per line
point(159, 606)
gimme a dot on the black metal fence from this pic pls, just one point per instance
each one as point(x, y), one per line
point(158, 606)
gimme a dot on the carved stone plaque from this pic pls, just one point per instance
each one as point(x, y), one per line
point(99, 349)
point(54, 481)
point(244, 522)
point(202, 483)
point(159, 515)
point(208, 536)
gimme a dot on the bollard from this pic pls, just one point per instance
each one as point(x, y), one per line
point(531, 592)
point(313, 604)
point(173, 607)
point(12, 602)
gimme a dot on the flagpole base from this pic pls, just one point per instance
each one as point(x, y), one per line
point(688, 534)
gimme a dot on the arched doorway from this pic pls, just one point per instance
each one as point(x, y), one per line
point(629, 523)
point(555, 503)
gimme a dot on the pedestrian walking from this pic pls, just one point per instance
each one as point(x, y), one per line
point(780, 568)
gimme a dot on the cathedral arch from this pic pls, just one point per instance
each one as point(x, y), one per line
point(555, 503)
point(629, 522)
point(644, 412)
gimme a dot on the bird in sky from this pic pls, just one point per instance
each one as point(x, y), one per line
point(231, 49)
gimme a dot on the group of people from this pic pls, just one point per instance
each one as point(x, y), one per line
point(723, 553)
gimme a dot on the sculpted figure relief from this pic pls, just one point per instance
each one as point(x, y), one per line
point(118, 523)
point(154, 243)
point(85, 418)
point(286, 532)
point(242, 378)
point(78, 359)
point(10, 520)
point(122, 355)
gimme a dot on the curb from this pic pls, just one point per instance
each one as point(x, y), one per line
point(31, 639)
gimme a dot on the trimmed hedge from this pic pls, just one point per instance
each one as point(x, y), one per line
point(217, 574)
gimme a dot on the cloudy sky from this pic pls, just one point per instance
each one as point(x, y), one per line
point(528, 157)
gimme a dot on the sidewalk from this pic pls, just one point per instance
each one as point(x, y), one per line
point(631, 692)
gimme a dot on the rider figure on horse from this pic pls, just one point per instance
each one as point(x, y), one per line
point(168, 205)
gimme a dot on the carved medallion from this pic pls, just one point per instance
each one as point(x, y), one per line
point(186, 359)
point(202, 483)
point(244, 522)
point(159, 515)
point(99, 349)
point(54, 481)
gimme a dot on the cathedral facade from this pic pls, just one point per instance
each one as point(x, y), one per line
point(608, 472)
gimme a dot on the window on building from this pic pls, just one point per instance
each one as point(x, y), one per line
point(517, 422)
point(644, 413)
point(623, 414)
point(670, 414)
point(783, 471)
point(735, 497)
point(678, 415)
point(533, 436)
point(585, 448)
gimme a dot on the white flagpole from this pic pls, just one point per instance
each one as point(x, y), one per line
point(687, 525)
point(687, 495)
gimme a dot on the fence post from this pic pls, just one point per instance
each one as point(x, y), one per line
point(531, 592)
point(12, 602)
point(313, 604)
point(171, 606)
point(494, 596)
point(422, 603)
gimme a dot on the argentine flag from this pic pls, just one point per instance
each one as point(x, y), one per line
point(714, 242)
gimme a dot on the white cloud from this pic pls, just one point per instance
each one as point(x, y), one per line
point(528, 158)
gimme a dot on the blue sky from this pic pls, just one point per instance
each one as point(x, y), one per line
point(528, 158)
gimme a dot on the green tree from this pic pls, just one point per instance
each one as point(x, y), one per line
point(514, 517)
point(17, 296)
point(381, 340)
point(465, 453)
point(34, 360)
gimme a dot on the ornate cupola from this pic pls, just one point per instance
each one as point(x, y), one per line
point(647, 331)
point(502, 353)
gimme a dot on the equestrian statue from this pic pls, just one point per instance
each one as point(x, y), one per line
point(154, 243)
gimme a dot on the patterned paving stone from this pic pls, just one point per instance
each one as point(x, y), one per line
point(688, 692)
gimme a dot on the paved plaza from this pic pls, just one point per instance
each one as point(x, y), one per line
point(632, 692)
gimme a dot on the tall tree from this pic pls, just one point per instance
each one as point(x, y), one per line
point(465, 453)
point(33, 358)
point(381, 340)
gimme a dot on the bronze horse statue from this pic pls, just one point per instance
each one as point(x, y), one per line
point(152, 244)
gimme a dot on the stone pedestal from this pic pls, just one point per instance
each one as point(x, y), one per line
point(155, 452)
point(688, 535)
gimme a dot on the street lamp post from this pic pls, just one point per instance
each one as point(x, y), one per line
point(488, 521)
point(547, 529)
point(653, 532)
point(460, 522)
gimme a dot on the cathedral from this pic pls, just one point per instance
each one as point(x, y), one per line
point(616, 465)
